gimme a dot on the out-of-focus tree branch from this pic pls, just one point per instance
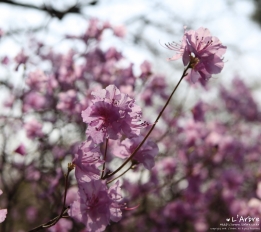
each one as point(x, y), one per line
point(49, 9)
point(257, 13)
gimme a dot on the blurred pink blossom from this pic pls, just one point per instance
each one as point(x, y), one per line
point(3, 212)
point(203, 51)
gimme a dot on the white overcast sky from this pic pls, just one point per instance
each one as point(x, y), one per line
point(230, 24)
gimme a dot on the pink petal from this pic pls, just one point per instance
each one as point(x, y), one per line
point(176, 57)
point(3, 213)
point(193, 76)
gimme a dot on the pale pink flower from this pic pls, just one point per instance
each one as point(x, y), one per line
point(32, 173)
point(21, 58)
point(86, 161)
point(112, 113)
point(31, 213)
point(95, 205)
point(5, 60)
point(71, 195)
point(239, 101)
point(67, 101)
point(37, 80)
point(34, 101)
point(33, 129)
point(144, 155)
point(9, 102)
point(203, 51)
point(21, 149)
point(119, 31)
point(63, 225)
point(3, 212)
point(115, 207)
point(145, 68)
point(1, 33)
point(258, 191)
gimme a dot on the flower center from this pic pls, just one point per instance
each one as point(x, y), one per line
point(193, 61)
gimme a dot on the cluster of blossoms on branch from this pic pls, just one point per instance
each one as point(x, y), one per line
point(110, 116)
point(60, 95)
point(190, 172)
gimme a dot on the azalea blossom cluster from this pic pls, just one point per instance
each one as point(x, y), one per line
point(88, 107)
point(110, 116)
point(69, 93)
point(202, 51)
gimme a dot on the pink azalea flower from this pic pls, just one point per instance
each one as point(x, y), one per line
point(145, 68)
point(37, 80)
point(33, 129)
point(31, 213)
point(115, 207)
point(203, 51)
point(86, 161)
point(119, 31)
point(34, 101)
point(20, 58)
point(5, 60)
point(111, 113)
point(21, 149)
point(9, 102)
point(244, 107)
point(1, 33)
point(3, 212)
point(67, 101)
point(63, 225)
point(167, 166)
point(145, 154)
point(71, 193)
point(31, 173)
point(96, 205)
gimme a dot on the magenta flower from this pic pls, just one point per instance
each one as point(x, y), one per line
point(31, 213)
point(33, 129)
point(1, 33)
point(67, 100)
point(96, 205)
point(244, 107)
point(145, 68)
point(21, 58)
point(144, 155)
point(119, 31)
point(115, 207)
point(63, 225)
point(37, 80)
point(21, 149)
point(3, 212)
point(34, 101)
point(203, 51)
point(112, 113)
point(86, 161)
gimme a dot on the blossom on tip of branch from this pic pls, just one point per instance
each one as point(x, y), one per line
point(202, 51)
point(112, 113)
